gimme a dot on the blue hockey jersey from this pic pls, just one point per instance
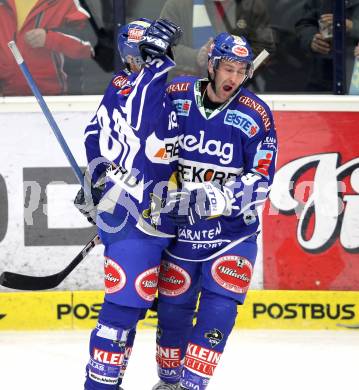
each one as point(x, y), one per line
point(132, 138)
point(235, 145)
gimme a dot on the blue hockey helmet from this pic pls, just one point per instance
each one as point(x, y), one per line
point(231, 48)
point(128, 38)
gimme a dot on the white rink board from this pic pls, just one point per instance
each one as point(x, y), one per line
point(28, 147)
point(29, 143)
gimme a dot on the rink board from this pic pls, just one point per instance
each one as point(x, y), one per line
point(41, 232)
point(263, 309)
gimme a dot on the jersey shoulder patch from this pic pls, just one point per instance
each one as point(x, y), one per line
point(180, 84)
point(259, 106)
point(120, 81)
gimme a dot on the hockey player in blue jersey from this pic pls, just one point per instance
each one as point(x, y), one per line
point(129, 146)
point(227, 154)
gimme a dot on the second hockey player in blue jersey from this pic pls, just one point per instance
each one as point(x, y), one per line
point(128, 148)
point(227, 154)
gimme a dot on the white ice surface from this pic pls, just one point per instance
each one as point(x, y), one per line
point(253, 360)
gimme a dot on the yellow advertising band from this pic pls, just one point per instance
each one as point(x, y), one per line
point(263, 309)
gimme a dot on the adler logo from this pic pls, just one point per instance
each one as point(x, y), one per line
point(211, 147)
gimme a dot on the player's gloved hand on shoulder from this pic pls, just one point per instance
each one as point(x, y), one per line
point(196, 201)
point(158, 39)
point(86, 201)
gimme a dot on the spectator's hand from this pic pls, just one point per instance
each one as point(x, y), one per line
point(348, 25)
point(320, 45)
point(36, 38)
point(356, 51)
point(202, 56)
point(328, 18)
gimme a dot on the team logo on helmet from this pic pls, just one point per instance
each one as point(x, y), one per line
point(128, 38)
point(135, 34)
point(231, 48)
point(240, 51)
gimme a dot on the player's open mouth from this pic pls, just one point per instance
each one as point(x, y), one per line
point(227, 88)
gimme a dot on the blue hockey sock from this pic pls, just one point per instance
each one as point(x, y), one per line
point(108, 345)
point(128, 350)
point(174, 329)
point(215, 320)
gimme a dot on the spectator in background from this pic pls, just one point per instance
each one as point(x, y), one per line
point(287, 68)
point(45, 32)
point(354, 82)
point(203, 19)
point(98, 73)
point(317, 41)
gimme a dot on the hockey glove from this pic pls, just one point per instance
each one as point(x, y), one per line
point(158, 39)
point(197, 201)
point(86, 201)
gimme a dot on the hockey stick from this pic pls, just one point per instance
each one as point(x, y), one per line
point(259, 59)
point(28, 282)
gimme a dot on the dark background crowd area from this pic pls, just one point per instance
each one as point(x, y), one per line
point(301, 56)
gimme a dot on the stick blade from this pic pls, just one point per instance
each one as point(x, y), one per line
point(28, 283)
point(35, 283)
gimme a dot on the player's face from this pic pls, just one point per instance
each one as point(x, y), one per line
point(228, 78)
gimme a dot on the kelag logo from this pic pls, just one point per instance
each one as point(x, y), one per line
point(80, 311)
